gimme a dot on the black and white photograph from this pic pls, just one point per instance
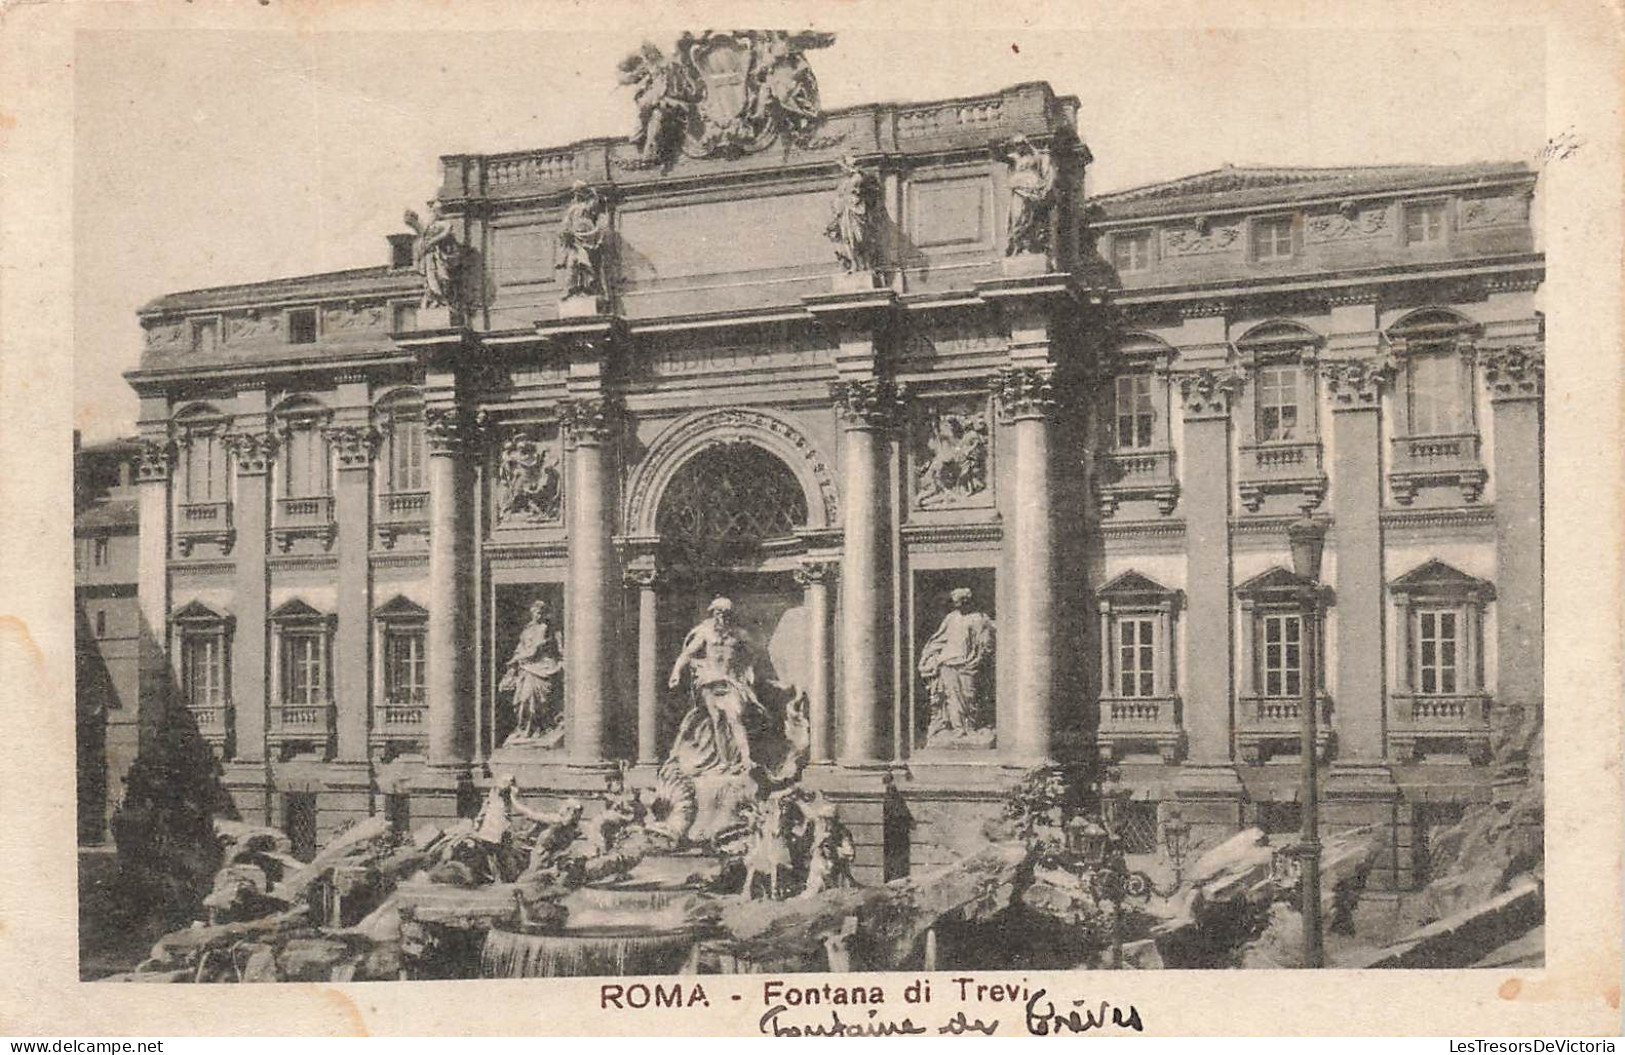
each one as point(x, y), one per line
point(655, 501)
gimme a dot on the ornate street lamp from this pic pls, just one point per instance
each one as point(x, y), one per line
point(1308, 540)
point(1087, 840)
point(1176, 835)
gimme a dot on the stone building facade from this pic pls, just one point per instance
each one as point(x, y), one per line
point(657, 382)
point(107, 628)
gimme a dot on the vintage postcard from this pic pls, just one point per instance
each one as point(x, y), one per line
point(782, 520)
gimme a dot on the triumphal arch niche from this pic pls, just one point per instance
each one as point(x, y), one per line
point(767, 409)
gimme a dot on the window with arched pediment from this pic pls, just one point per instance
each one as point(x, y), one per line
point(200, 432)
point(304, 462)
point(735, 496)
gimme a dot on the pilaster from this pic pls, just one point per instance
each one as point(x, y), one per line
point(354, 442)
point(1516, 377)
point(253, 448)
point(1208, 688)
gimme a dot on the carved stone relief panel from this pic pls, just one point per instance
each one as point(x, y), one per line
point(950, 453)
point(528, 477)
point(1347, 223)
point(1202, 238)
point(1504, 211)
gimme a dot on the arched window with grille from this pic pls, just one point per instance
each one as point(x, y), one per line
point(731, 500)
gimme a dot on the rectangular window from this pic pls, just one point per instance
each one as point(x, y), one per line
point(1136, 649)
point(1434, 394)
point(306, 463)
point(1272, 238)
point(100, 550)
point(205, 474)
point(1136, 413)
point(101, 622)
point(203, 670)
point(404, 665)
point(1424, 222)
point(1131, 251)
point(304, 669)
point(1437, 639)
point(1283, 656)
point(406, 455)
point(1278, 411)
point(403, 317)
point(302, 326)
point(205, 336)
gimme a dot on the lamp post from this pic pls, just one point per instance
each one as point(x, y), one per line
point(1176, 832)
point(1308, 540)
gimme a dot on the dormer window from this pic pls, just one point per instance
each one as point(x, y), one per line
point(302, 326)
point(1131, 251)
point(1272, 238)
point(1424, 223)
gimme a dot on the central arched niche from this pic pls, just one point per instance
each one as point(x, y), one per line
point(726, 516)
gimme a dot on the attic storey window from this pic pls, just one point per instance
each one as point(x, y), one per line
point(302, 326)
point(1272, 238)
point(1424, 222)
point(205, 336)
point(1131, 251)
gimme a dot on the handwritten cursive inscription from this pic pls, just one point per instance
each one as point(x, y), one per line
point(1044, 1021)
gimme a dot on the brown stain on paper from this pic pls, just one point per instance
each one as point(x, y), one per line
point(15, 628)
point(348, 1007)
point(1564, 986)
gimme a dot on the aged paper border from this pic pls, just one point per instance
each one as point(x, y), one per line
point(1578, 991)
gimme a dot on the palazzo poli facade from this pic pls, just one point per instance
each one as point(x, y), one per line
point(837, 372)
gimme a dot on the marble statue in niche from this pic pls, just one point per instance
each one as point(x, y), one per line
point(529, 485)
point(438, 257)
point(1032, 196)
point(952, 459)
point(583, 236)
point(535, 677)
point(957, 665)
point(854, 223)
point(717, 658)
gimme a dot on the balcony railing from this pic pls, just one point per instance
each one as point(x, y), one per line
point(203, 522)
point(1458, 723)
point(1267, 723)
point(213, 722)
point(308, 517)
point(1281, 468)
point(1129, 722)
point(400, 512)
point(1130, 475)
point(310, 725)
point(1452, 460)
point(400, 724)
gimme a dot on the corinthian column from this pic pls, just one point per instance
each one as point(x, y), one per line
point(1027, 404)
point(589, 679)
point(645, 576)
point(815, 577)
point(450, 695)
point(868, 410)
